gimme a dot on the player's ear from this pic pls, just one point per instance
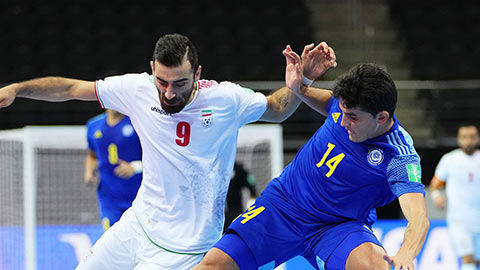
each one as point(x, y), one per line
point(382, 117)
point(152, 66)
point(198, 73)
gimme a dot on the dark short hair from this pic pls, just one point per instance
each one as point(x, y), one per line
point(368, 87)
point(171, 49)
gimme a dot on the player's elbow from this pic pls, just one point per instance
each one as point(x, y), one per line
point(275, 115)
point(82, 90)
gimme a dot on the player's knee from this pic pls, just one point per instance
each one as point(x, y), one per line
point(216, 259)
point(367, 256)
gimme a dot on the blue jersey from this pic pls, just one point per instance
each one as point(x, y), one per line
point(333, 179)
point(322, 205)
point(112, 144)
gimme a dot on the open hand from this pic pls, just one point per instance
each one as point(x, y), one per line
point(293, 71)
point(317, 60)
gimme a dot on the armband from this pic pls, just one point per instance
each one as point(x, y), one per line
point(306, 81)
point(137, 166)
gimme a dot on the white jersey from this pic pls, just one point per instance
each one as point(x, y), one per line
point(188, 156)
point(461, 172)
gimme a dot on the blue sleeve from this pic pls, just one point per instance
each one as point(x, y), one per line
point(331, 103)
point(404, 175)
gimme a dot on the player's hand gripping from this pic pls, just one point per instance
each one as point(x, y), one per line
point(124, 169)
point(7, 95)
point(317, 60)
point(400, 261)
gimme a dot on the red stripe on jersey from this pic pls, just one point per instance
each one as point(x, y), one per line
point(206, 84)
point(96, 95)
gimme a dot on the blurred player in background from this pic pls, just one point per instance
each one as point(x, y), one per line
point(235, 201)
point(188, 129)
point(323, 204)
point(115, 159)
point(460, 171)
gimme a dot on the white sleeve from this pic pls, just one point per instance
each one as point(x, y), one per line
point(442, 169)
point(251, 105)
point(117, 92)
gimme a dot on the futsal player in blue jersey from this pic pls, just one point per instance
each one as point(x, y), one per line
point(323, 204)
point(115, 155)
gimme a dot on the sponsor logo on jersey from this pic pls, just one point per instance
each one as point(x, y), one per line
point(98, 134)
point(335, 116)
point(207, 118)
point(414, 173)
point(159, 110)
point(375, 156)
point(127, 130)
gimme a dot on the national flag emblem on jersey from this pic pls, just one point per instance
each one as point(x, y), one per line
point(414, 173)
point(207, 118)
point(335, 116)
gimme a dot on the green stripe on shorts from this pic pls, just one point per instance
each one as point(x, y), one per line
point(166, 249)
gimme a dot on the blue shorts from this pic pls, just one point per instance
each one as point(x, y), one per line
point(275, 232)
point(110, 214)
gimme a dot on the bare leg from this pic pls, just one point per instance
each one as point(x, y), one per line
point(367, 256)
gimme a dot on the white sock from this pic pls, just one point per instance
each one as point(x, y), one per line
point(468, 266)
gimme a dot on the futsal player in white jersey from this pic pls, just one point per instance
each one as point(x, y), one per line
point(188, 130)
point(460, 171)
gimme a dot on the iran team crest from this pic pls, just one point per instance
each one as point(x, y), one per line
point(207, 118)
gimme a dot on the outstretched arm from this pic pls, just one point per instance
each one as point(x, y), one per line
point(49, 89)
point(414, 209)
point(315, 62)
point(282, 103)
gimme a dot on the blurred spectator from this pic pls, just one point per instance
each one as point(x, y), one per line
point(460, 171)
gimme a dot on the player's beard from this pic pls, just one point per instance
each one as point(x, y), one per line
point(178, 102)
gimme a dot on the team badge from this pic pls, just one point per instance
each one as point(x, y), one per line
point(98, 134)
point(375, 156)
point(207, 118)
point(335, 116)
point(127, 130)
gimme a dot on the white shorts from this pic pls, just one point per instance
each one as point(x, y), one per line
point(125, 246)
point(464, 240)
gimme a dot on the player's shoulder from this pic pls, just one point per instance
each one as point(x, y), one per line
point(221, 88)
point(96, 120)
point(142, 78)
point(400, 141)
point(131, 79)
point(454, 154)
